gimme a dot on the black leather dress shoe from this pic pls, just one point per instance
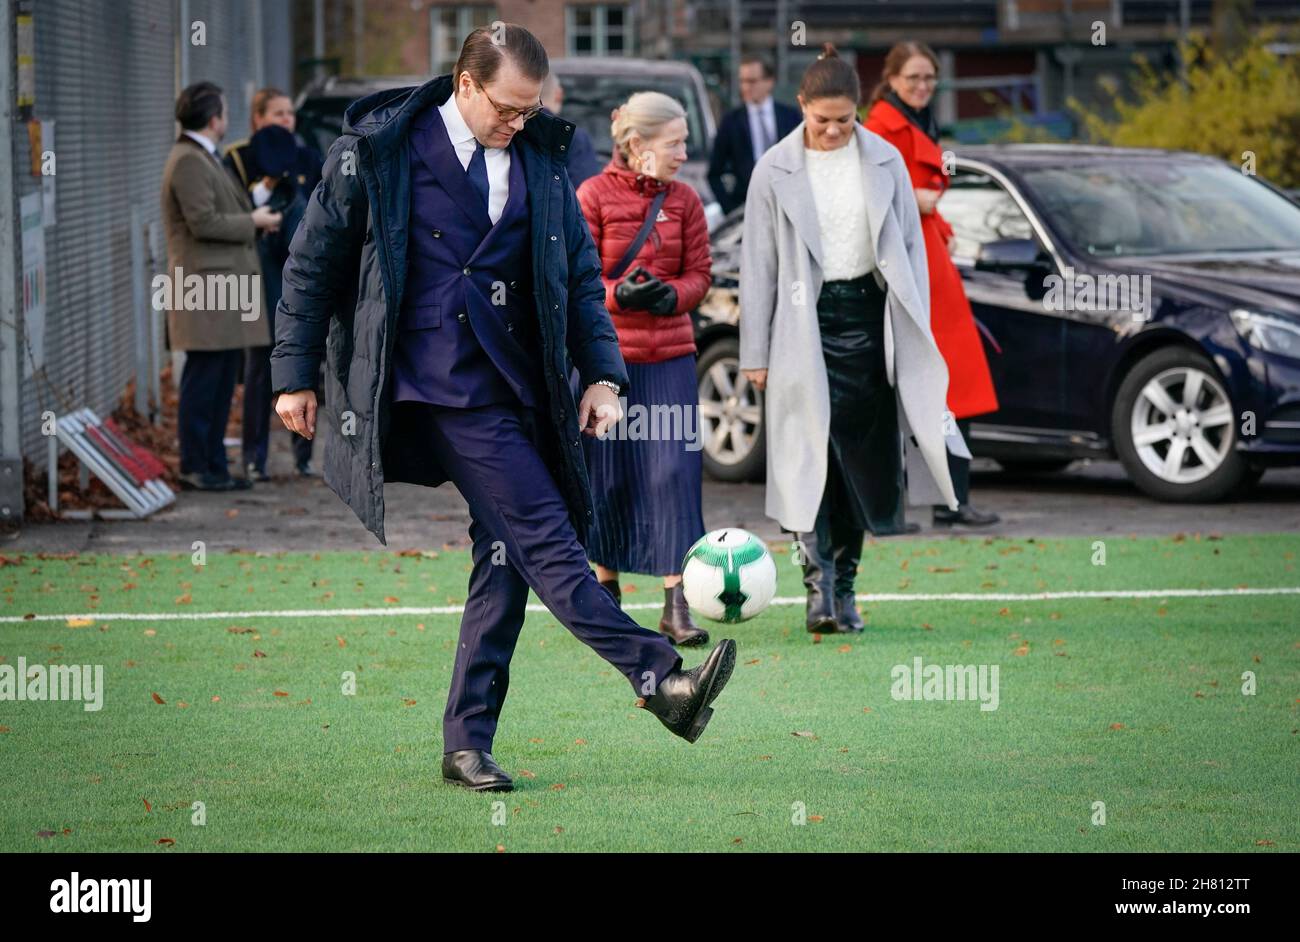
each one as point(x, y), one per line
point(474, 769)
point(965, 515)
point(681, 701)
point(207, 481)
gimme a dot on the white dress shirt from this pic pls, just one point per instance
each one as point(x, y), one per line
point(203, 139)
point(766, 114)
point(497, 158)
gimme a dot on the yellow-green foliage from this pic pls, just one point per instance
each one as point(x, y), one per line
point(1020, 132)
point(1241, 106)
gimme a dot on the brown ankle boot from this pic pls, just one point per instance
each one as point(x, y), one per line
point(676, 623)
point(613, 589)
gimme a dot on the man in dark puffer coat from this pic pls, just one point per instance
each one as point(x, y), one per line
point(446, 255)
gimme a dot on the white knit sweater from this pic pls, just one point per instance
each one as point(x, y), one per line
point(836, 178)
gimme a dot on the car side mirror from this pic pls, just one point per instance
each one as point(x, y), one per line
point(1009, 255)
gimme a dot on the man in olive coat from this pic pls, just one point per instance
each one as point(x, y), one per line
point(212, 288)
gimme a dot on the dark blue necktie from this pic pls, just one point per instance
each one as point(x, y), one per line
point(477, 171)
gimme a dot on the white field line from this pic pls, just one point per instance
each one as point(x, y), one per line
point(780, 600)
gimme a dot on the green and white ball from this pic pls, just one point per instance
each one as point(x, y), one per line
point(728, 575)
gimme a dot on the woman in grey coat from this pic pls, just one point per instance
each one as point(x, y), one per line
point(835, 327)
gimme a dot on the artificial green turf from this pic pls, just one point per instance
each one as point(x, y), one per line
point(1133, 702)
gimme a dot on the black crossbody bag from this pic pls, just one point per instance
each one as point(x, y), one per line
point(644, 233)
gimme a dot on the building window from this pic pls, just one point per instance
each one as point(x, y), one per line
point(448, 27)
point(598, 29)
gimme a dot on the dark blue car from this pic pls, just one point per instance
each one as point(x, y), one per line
point(1140, 304)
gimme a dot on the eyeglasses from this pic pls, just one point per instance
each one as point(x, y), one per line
point(920, 79)
point(509, 114)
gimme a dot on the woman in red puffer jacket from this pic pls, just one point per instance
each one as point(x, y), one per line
point(646, 476)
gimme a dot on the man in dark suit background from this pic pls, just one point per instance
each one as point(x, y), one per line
point(746, 132)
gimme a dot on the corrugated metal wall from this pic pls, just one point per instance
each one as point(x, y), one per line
point(107, 74)
point(101, 69)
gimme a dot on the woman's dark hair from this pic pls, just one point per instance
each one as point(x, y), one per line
point(830, 77)
point(897, 58)
point(197, 105)
point(481, 55)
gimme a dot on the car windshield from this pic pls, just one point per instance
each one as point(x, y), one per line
point(1164, 207)
point(588, 100)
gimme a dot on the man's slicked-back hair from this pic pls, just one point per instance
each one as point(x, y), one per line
point(198, 104)
point(760, 60)
point(485, 49)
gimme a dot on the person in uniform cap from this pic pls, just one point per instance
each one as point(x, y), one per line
point(277, 170)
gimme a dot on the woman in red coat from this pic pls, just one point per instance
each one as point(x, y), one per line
point(646, 478)
point(900, 113)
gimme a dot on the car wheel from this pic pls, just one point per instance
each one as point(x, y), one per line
point(1034, 465)
point(731, 414)
point(1173, 428)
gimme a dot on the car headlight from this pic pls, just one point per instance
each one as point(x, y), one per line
point(1268, 333)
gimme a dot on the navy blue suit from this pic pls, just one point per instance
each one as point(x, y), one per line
point(467, 380)
point(733, 151)
point(466, 333)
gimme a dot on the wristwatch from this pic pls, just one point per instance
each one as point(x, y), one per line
point(610, 383)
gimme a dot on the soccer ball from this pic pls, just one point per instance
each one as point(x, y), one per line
point(728, 575)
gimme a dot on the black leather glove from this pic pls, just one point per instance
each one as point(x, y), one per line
point(640, 290)
point(666, 304)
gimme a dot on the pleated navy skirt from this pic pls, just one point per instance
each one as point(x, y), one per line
point(646, 477)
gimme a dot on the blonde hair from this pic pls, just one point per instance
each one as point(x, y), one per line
point(643, 114)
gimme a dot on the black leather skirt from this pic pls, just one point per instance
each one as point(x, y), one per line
point(864, 482)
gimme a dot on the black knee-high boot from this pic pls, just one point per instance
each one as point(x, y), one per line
point(819, 577)
point(848, 551)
